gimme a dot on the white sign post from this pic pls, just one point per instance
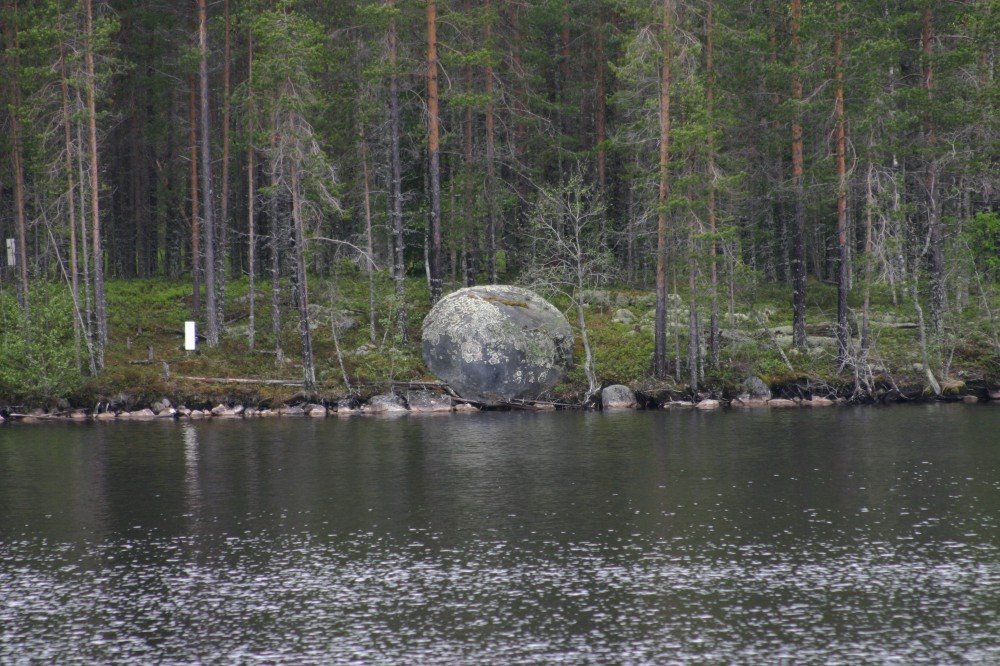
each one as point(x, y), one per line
point(190, 337)
point(11, 255)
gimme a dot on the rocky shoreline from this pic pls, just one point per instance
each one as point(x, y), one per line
point(755, 395)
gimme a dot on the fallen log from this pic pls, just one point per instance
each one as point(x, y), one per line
point(242, 380)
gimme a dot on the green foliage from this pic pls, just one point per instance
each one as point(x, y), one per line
point(37, 360)
point(982, 233)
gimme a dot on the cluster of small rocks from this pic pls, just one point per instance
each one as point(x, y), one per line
point(419, 401)
point(757, 394)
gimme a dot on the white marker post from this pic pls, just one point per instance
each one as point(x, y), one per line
point(11, 254)
point(190, 337)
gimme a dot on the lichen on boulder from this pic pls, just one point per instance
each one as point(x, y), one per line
point(494, 343)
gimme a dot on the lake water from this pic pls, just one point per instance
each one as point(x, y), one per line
point(797, 536)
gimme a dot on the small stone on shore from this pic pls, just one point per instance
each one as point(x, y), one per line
point(781, 403)
point(748, 403)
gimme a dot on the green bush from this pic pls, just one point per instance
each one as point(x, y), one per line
point(983, 236)
point(37, 358)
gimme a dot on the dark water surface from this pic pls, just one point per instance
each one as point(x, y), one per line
point(802, 536)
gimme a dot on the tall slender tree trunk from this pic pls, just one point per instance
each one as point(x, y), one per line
point(434, 153)
point(71, 202)
point(396, 186)
point(843, 332)
point(869, 213)
point(276, 233)
point(600, 109)
point(211, 313)
point(10, 30)
point(519, 112)
point(222, 269)
point(301, 286)
point(195, 205)
point(370, 245)
point(660, 368)
point(95, 208)
point(713, 333)
point(491, 194)
point(251, 208)
point(470, 237)
point(934, 226)
point(88, 301)
point(252, 246)
point(798, 186)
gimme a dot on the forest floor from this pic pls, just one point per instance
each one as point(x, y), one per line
point(145, 358)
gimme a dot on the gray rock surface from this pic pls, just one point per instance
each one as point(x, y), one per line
point(227, 412)
point(617, 396)
point(497, 342)
point(314, 410)
point(428, 401)
point(781, 403)
point(348, 405)
point(757, 389)
point(388, 402)
point(623, 316)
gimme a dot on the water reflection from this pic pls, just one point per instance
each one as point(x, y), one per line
point(835, 536)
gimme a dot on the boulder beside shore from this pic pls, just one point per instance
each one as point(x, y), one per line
point(496, 343)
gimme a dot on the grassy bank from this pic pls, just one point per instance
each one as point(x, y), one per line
point(145, 358)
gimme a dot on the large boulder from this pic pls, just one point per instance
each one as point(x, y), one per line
point(494, 343)
point(617, 396)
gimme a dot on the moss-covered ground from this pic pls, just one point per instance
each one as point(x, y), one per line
point(147, 318)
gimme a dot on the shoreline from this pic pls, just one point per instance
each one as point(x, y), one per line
point(425, 401)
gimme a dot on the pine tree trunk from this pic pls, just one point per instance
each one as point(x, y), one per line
point(71, 204)
point(252, 247)
point(934, 226)
point(370, 246)
point(660, 351)
point(469, 205)
point(195, 205)
point(798, 186)
point(301, 286)
point(869, 212)
point(600, 111)
point(276, 233)
point(10, 31)
point(396, 187)
point(491, 194)
point(222, 268)
point(843, 332)
point(713, 340)
point(208, 205)
point(434, 150)
point(88, 318)
point(251, 209)
point(95, 208)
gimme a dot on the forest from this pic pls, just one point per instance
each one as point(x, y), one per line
point(716, 187)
